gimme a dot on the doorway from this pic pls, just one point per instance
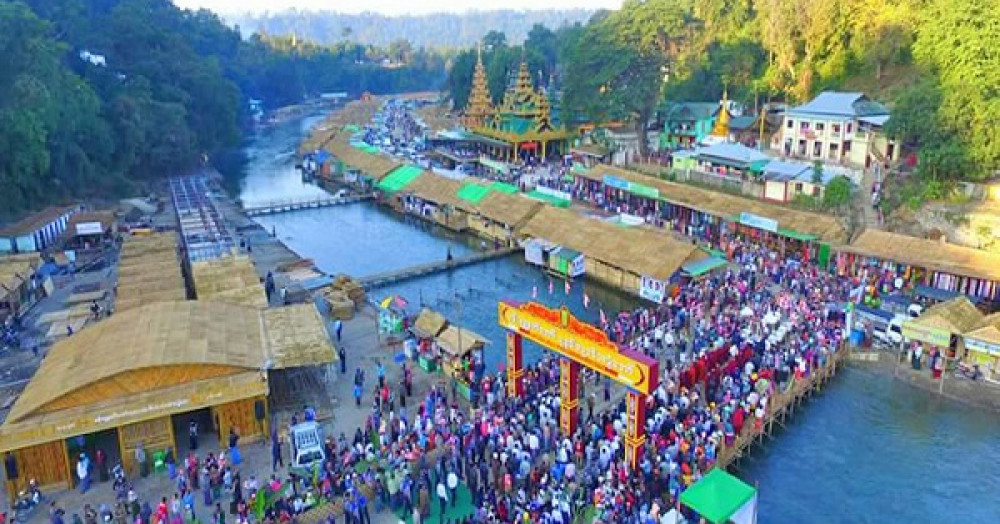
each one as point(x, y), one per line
point(106, 441)
point(207, 432)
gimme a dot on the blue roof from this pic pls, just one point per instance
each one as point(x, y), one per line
point(839, 104)
point(737, 153)
point(781, 171)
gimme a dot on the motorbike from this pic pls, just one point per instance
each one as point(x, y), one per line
point(27, 501)
point(971, 372)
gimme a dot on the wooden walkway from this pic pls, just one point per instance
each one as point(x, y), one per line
point(284, 206)
point(780, 407)
point(399, 275)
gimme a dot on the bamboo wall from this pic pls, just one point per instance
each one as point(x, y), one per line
point(155, 435)
point(612, 276)
point(240, 415)
point(46, 463)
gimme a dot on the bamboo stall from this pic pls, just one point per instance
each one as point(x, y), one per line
point(456, 346)
point(230, 279)
point(149, 271)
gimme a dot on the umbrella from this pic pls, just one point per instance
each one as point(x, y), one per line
point(385, 302)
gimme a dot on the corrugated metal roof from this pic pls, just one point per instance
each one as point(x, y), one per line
point(734, 152)
point(780, 171)
point(837, 103)
point(695, 110)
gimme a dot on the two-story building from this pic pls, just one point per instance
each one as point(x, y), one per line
point(686, 124)
point(837, 127)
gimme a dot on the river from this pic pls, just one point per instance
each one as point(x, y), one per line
point(867, 450)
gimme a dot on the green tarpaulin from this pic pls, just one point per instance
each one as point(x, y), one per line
point(370, 149)
point(643, 191)
point(717, 496)
point(549, 199)
point(351, 128)
point(473, 193)
point(399, 178)
point(504, 187)
point(806, 237)
point(699, 268)
point(499, 167)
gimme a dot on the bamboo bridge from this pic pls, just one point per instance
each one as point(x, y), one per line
point(398, 275)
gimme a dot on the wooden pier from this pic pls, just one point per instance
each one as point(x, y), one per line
point(399, 275)
point(780, 407)
point(284, 206)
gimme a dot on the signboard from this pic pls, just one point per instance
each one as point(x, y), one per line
point(759, 222)
point(578, 266)
point(933, 336)
point(89, 228)
point(555, 193)
point(644, 191)
point(974, 344)
point(615, 182)
point(652, 289)
point(560, 332)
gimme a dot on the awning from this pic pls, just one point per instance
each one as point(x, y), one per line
point(494, 165)
point(399, 178)
point(473, 193)
point(549, 199)
point(941, 295)
point(703, 266)
point(805, 237)
point(504, 187)
point(718, 497)
point(456, 341)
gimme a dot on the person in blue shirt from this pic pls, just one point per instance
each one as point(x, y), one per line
point(380, 369)
point(365, 517)
point(357, 395)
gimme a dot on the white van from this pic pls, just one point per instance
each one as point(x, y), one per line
point(307, 445)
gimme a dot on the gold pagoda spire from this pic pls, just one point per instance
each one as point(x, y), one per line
point(480, 105)
point(721, 127)
point(524, 84)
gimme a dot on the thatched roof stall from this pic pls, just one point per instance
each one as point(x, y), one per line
point(297, 336)
point(435, 188)
point(456, 342)
point(824, 227)
point(429, 324)
point(228, 279)
point(929, 254)
point(511, 210)
point(15, 278)
point(957, 316)
point(639, 251)
point(149, 271)
point(374, 165)
point(160, 359)
point(105, 220)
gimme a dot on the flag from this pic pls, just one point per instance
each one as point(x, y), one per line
point(534, 292)
point(551, 288)
point(567, 287)
point(586, 301)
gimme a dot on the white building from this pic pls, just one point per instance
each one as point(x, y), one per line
point(837, 127)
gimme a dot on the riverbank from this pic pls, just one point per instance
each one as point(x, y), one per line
point(887, 366)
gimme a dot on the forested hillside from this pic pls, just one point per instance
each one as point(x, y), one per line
point(98, 97)
point(434, 31)
point(935, 62)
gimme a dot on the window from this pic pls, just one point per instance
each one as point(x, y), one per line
point(819, 127)
point(815, 191)
point(804, 126)
point(798, 187)
point(836, 129)
point(817, 148)
point(791, 123)
point(848, 127)
point(847, 147)
point(834, 151)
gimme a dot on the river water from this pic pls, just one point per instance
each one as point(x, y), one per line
point(867, 450)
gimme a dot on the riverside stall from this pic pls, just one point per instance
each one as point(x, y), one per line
point(458, 349)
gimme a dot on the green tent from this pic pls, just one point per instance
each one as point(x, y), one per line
point(399, 178)
point(504, 187)
point(473, 193)
point(549, 199)
point(703, 266)
point(720, 497)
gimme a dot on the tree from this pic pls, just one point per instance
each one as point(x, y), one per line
point(817, 175)
point(960, 44)
point(837, 193)
point(609, 78)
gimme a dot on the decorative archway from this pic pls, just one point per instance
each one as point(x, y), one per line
point(579, 344)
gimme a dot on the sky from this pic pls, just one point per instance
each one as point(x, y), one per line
point(392, 7)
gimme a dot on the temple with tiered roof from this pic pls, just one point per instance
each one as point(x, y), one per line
point(523, 121)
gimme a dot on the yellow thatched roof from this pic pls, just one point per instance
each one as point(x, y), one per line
point(15, 269)
point(149, 271)
point(956, 316)
point(641, 251)
point(297, 336)
point(449, 341)
point(435, 188)
point(429, 323)
point(825, 227)
point(512, 210)
point(375, 165)
point(230, 279)
point(105, 218)
point(925, 253)
point(165, 344)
